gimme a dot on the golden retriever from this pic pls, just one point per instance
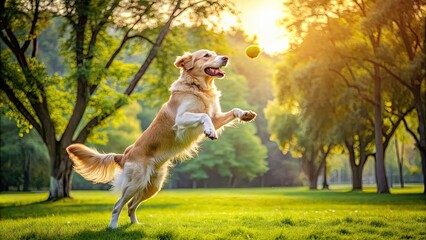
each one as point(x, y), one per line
point(193, 110)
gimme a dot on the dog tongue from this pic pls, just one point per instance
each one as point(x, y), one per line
point(214, 71)
point(220, 71)
point(217, 71)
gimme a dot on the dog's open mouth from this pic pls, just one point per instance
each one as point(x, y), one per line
point(214, 72)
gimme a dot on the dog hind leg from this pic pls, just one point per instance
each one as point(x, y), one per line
point(128, 193)
point(151, 190)
point(133, 205)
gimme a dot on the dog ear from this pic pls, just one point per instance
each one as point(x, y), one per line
point(185, 61)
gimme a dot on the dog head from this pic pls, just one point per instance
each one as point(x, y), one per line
point(202, 63)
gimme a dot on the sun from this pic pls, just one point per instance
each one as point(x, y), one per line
point(260, 19)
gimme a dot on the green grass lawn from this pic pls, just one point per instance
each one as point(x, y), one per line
point(269, 213)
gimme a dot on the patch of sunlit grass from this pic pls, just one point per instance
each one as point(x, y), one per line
point(269, 213)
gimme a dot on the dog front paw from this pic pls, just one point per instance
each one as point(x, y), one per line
point(210, 133)
point(248, 116)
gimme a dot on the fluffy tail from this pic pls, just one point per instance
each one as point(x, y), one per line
point(94, 166)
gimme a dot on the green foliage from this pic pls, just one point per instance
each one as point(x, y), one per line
point(259, 74)
point(123, 131)
point(274, 213)
point(11, 70)
point(102, 37)
point(302, 117)
point(49, 48)
point(60, 106)
point(324, 87)
point(20, 154)
point(17, 16)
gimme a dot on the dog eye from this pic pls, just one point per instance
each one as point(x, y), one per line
point(207, 55)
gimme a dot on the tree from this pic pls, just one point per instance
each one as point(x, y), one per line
point(68, 109)
point(321, 15)
point(400, 159)
point(358, 137)
point(293, 135)
point(301, 118)
point(407, 64)
point(363, 51)
point(378, 37)
point(22, 158)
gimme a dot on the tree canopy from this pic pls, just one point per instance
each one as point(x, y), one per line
point(349, 80)
point(96, 81)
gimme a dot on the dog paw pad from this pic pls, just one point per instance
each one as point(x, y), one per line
point(248, 116)
point(210, 133)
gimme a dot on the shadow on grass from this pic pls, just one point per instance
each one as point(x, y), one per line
point(43, 209)
point(357, 197)
point(108, 233)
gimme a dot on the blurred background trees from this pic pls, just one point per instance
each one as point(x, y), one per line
point(24, 160)
point(333, 108)
point(359, 63)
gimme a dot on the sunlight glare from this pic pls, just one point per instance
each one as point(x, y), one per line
point(260, 18)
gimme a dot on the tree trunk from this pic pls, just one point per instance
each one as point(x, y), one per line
point(26, 169)
point(231, 181)
point(313, 182)
point(401, 176)
point(357, 172)
point(416, 89)
point(324, 182)
point(235, 182)
point(356, 178)
point(26, 187)
point(61, 174)
point(382, 183)
point(311, 169)
point(400, 159)
point(312, 174)
point(423, 156)
point(421, 115)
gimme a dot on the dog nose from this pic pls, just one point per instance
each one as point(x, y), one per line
point(225, 59)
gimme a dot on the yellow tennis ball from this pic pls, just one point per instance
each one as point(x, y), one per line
point(253, 51)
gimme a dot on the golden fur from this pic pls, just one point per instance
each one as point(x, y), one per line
point(192, 111)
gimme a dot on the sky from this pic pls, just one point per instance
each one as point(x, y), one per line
point(260, 18)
